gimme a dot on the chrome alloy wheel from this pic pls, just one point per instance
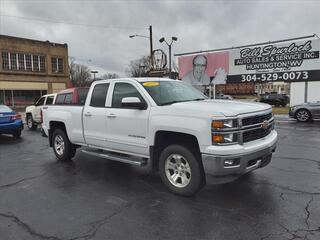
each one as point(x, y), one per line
point(59, 145)
point(303, 115)
point(178, 170)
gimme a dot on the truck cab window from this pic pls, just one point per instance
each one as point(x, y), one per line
point(49, 100)
point(99, 94)
point(68, 98)
point(123, 90)
point(60, 99)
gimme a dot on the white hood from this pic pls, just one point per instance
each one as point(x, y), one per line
point(217, 107)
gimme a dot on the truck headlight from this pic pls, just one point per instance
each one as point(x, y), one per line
point(224, 138)
point(224, 131)
point(223, 124)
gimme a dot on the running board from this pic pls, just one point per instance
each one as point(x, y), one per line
point(117, 157)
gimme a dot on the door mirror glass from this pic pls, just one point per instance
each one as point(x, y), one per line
point(132, 102)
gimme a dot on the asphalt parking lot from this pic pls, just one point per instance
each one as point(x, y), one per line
point(91, 198)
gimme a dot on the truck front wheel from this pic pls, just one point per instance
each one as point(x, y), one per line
point(180, 170)
point(63, 149)
point(30, 123)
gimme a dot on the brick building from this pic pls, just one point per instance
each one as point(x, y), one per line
point(31, 68)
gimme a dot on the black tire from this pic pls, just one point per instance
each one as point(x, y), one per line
point(303, 115)
point(30, 123)
point(65, 152)
point(195, 174)
point(17, 134)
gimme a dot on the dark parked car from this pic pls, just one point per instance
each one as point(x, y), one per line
point(275, 99)
point(305, 112)
point(10, 122)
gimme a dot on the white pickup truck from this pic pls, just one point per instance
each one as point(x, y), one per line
point(33, 112)
point(167, 125)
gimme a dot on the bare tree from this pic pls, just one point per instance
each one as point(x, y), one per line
point(110, 76)
point(139, 67)
point(79, 74)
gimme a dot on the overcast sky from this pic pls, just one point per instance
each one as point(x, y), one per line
point(199, 25)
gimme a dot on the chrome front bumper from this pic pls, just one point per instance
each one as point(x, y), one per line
point(214, 165)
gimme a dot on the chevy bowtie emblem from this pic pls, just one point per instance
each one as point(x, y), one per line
point(265, 124)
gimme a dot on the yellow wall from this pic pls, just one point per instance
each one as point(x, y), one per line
point(4, 85)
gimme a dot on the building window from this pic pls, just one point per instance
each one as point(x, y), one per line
point(28, 63)
point(35, 62)
point(13, 61)
point(5, 61)
point(57, 65)
point(23, 62)
point(60, 65)
point(42, 63)
point(21, 65)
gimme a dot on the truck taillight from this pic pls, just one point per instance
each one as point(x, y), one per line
point(41, 114)
point(16, 117)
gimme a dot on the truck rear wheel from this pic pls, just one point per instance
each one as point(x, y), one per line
point(62, 147)
point(180, 170)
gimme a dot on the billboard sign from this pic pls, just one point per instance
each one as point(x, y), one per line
point(289, 61)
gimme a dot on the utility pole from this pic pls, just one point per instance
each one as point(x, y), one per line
point(169, 61)
point(151, 45)
point(150, 40)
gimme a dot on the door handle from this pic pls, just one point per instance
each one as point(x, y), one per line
point(111, 115)
point(45, 108)
point(87, 114)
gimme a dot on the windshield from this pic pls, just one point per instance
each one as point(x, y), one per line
point(168, 92)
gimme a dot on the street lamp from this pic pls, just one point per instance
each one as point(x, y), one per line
point(94, 75)
point(161, 40)
point(150, 38)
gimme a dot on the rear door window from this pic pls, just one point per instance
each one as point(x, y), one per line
point(99, 95)
point(49, 100)
point(60, 99)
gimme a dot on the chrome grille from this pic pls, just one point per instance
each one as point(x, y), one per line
point(255, 134)
point(251, 127)
point(255, 119)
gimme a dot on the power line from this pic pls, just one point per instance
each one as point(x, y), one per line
point(69, 23)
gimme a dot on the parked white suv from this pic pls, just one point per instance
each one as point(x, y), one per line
point(33, 112)
point(167, 125)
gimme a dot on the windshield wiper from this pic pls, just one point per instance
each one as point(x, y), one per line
point(172, 102)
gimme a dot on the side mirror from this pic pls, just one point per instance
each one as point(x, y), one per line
point(133, 102)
